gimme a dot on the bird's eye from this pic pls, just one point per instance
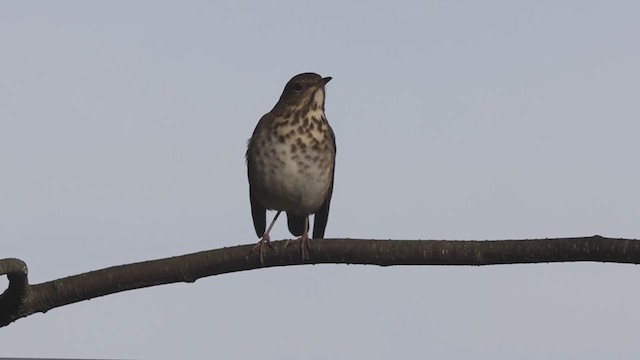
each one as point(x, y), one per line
point(297, 87)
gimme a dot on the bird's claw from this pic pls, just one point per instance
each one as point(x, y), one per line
point(304, 241)
point(265, 241)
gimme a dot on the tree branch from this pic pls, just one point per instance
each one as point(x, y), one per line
point(21, 299)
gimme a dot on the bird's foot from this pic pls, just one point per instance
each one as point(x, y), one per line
point(265, 241)
point(304, 241)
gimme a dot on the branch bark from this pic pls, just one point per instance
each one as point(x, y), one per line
point(21, 299)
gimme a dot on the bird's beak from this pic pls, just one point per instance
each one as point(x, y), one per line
point(324, 81)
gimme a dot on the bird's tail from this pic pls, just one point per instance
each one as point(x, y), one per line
point(296, 224)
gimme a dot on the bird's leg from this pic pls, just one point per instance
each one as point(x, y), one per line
point(266, 240)
point(304, 240)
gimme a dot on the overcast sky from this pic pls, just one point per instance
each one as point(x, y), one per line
point(123, 127)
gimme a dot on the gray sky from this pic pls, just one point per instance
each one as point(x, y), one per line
point(123, 127)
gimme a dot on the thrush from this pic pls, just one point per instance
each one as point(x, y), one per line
point(291, 161)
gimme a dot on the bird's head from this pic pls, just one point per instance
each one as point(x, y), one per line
point(304, 90)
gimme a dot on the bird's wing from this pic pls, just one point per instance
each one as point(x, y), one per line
point(258, 212)
point(322, 214)
point(263, 121)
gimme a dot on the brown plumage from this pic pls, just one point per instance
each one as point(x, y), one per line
point(291, 162)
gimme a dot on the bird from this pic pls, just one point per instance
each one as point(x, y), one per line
point(291, 163)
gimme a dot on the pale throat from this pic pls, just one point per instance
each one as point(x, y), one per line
point(318, 101)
